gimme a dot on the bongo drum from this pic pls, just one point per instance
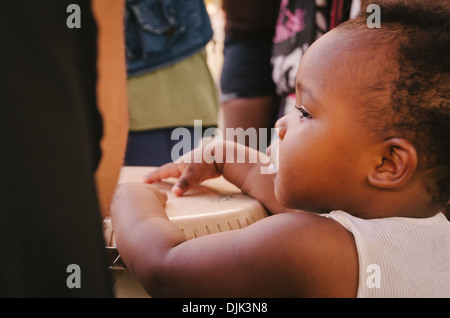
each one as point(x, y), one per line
point(214, 206)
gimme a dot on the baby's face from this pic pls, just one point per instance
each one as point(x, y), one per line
point(323, 150)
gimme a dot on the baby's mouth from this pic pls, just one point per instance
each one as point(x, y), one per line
point(272, 152)
point(272, 168)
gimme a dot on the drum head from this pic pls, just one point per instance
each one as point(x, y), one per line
point(214, 206)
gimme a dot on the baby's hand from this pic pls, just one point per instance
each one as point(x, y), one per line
point(189, 169)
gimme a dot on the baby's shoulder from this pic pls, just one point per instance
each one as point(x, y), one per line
point(312, 226)
point(324, 256)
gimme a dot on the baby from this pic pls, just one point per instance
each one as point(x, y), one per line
point(369, 136)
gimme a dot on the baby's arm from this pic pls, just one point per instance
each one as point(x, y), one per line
point(240, 165)
point(283, 255)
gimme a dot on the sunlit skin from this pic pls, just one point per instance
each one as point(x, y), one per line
point(111, 97)
point(326, 161)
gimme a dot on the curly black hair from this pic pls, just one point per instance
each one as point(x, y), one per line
point(416, 37)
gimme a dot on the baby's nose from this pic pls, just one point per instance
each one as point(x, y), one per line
point(281, 127)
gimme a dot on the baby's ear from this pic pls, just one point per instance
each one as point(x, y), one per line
point(396, 164)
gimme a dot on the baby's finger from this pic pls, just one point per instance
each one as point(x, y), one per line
point(169, 170)
point(191, 175)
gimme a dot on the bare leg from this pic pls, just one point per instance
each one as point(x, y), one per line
point(255, 112)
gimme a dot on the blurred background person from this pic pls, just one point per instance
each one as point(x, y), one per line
point(63, 141)
point(169, 82)
point(248, 96)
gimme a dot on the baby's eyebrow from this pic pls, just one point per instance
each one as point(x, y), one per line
point(306, 91)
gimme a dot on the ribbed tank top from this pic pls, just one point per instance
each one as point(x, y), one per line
point(401, 257)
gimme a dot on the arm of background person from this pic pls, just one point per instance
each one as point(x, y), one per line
point(111, 96)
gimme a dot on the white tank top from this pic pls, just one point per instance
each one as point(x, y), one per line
point(401, 257)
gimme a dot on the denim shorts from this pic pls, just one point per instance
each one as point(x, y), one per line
point(247, 70)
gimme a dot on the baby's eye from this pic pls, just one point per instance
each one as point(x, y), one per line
point(303, 112)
